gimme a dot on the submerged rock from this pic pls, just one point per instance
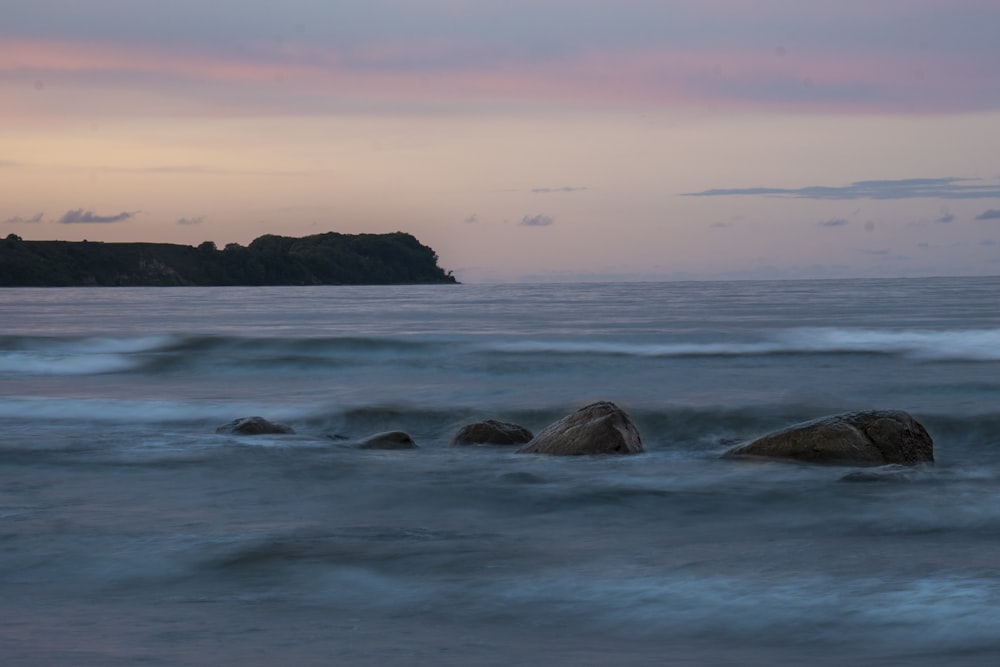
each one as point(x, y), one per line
point(253, 426)
point(888, 473)
point(521, 478)
point(873, 437)
point(491, 432)
point(598, 428)
point(388, 440)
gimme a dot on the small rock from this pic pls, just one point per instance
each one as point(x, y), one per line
point(388, 440)
point(491, 432)
point(253, 426)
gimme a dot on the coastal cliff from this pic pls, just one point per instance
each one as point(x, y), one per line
point(320, 259)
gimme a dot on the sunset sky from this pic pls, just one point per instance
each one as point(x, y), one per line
point(542, 140)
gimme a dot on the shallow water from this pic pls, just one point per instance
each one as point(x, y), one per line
point(130, 532)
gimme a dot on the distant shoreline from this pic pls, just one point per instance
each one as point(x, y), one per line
point(321, 259)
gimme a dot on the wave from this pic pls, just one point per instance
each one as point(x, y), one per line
point(95, 355)
point(75, 356)
point(89, 411)
point(957, 345)
point(950, 345)
point(163, 353)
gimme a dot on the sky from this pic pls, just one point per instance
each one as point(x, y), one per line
point(550, 140)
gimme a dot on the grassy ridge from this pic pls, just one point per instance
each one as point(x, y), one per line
point(320, 259)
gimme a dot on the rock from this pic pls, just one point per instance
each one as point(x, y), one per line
point(598, 428)
point(388, 440)
point(874, 437)
point(491, 432)
point(253, 426)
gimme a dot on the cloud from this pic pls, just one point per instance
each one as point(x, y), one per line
point(945, 217)
point(79, 216)
point(472, 219)
point(884, 254)
point(565, 189)
point(18, 220)
point(906, 188)
point(835, 222)
point(191, 221)
point(992, 214)
point(537, 220)
point(748, 54)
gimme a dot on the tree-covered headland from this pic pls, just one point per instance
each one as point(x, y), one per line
point(320, 259)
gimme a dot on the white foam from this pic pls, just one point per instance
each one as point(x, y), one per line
point(640, 349)
point(951, 344)
point(972, 344)
point(84, 356)
point(20, 363)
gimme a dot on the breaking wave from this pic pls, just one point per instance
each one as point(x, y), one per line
point(953, 345)
point(96, 355)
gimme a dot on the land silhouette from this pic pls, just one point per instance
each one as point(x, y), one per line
point(320, 259)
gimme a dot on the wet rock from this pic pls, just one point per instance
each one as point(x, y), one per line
point(869, 438)
point(598, 428)
point(253, 426)
point(491, 432)
point(388, 440)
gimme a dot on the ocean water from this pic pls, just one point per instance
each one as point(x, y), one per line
point(132, 533)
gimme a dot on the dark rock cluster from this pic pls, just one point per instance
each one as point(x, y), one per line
point(866, 438)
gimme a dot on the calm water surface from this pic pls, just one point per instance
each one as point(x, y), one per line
point(132, 533)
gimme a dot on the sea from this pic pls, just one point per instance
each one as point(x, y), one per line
point(132, 533)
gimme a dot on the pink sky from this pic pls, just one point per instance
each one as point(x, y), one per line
point(468, 123)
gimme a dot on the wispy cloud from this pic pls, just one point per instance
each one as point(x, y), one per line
point(191, 221)
point(471, 219)
point(633, 52)
point(537, 220)
point(992, 214)
point(565, 189)
point(835, 222)
point(18, 220)
point(80, 216)
point(906, 188)
point(945, 217)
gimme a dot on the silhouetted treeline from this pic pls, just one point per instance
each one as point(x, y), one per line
point(321, 259)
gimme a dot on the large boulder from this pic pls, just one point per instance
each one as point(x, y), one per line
point(598, 428)
point(253, 426)
point(491, 432)
point(873, 437)
point(388, 440)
